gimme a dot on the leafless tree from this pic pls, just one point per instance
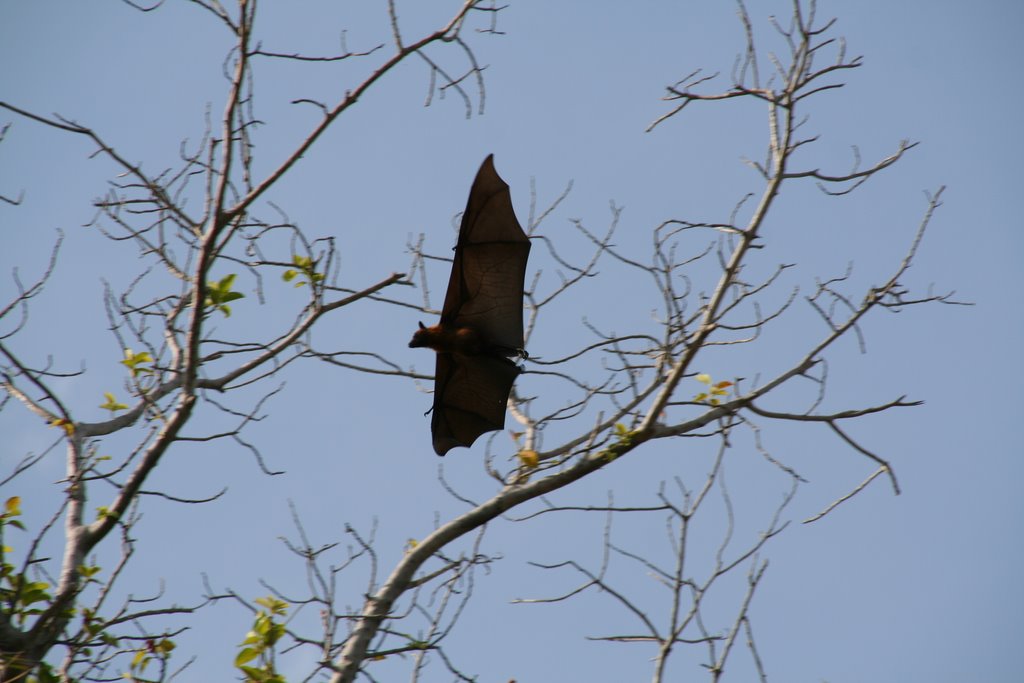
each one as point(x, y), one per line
point(619, 395)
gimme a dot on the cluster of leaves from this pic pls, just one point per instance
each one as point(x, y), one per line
point(135, 362)
point(219, 294)
point(20, 597)
point(624, 438)
point(305, 267)
point(259, 643)
point(713, 392)
point(155, 649)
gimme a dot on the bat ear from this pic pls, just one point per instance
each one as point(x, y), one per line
point(422, 326)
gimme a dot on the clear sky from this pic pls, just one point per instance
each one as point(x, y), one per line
point(917, 587)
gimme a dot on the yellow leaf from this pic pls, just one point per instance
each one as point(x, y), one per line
point(273, 605)
point(140, 660)
point(112, 405)
point(13, 506)
point(133, 360)
point(704, 378)
point(723, 385)
point(700, 397)
point(529, 458)
point(66, 424)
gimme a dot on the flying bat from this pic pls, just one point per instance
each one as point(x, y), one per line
point(481, 326)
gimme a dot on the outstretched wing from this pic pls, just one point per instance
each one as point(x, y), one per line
point(470, 394)
point(485, 291)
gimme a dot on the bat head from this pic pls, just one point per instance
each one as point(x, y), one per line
point(420, 337)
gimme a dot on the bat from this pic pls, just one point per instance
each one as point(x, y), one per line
point(481, 326)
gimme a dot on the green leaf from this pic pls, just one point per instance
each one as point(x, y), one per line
point(246, 656)
point(274, 633)
point(254, 674)
point(262, 625)
point(44, 674)
point(87, 571)
point(224, 284)
point(35, 592)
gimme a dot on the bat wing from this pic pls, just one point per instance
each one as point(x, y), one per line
point(485, 291)
point(470, 395)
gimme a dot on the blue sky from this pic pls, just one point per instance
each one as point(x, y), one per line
point(915, 587)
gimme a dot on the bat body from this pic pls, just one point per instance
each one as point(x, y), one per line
point(481, 326)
